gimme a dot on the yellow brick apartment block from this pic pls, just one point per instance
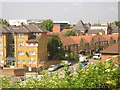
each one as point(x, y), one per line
point(30, 46)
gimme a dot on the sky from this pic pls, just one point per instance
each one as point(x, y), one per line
point(61, 11)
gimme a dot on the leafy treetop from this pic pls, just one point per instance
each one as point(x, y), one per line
point(47, 24)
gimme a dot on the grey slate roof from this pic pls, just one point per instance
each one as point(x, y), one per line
point(27, 29)
point(35, 28)
point(80, 26)
point(34, 38)
point(116, 31)
point(4, 29)
point(95, 31)
point(21, 29)
point(114, 26)
point(88, 25)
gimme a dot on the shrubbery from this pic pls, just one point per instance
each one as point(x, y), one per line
point(100, 75)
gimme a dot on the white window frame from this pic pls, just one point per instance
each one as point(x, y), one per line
point(34, 62)
point(29, 61)
point(18, 61)
point(1, 61)
point(20, 54)
point(1, 53)
point(20, 44)
point(32, 44)
point(20, 35)
point(23, 62)
point(1, 44)
point(32, 53)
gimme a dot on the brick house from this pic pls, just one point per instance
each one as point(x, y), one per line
point(110, 51)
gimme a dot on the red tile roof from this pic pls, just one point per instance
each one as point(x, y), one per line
point(112, 49)
point(87, 39)
point(70, 40)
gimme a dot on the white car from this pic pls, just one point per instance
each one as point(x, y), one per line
point(65, 63)
point(97, 55)
point(82, 59)
point(53, 68)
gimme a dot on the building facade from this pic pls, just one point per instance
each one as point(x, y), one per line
point(30, 46)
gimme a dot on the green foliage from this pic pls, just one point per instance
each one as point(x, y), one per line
point(4, 22)
point(67, 27)
point(117, 23)
point(25, 66)
point(100, 75)
point(47, 24)
point(88, 56)
point(55, 48)
point(98, 58)
point(70, 33)
point(73, 57)
point(6, 65)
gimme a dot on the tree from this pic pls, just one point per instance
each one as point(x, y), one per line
point(4, 22)
point(55, 48)
point(117, 23)
point(67, 27)
point(71, 33)
point(47, 24)
point(99, 75)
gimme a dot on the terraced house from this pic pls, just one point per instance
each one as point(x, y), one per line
point(4, 44)
point(30, 45)
point(88, 43)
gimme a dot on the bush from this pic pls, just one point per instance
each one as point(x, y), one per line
point(100, 75)
point(73, 57)
point(25, 66)
point(98, 58)
point(6, 65)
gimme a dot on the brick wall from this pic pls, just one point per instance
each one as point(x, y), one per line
point(15, 71)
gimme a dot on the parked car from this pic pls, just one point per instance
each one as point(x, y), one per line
point(97, 55)
point(59, 65)
point(53, 67)
point(84, 64)
point(65, 63)
point(82, 59)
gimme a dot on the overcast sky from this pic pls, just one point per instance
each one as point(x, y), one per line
point(61, 11)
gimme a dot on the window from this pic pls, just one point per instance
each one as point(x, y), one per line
point(20, 35)
point(18, 61)
point(1, 44)
point(1, 61)
point(32, 44)
point(31, 53)
point(20, 53)
point(20, 44)
point(29, 62)
point(34, 62)
point(23, 61)
point(1, 53)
